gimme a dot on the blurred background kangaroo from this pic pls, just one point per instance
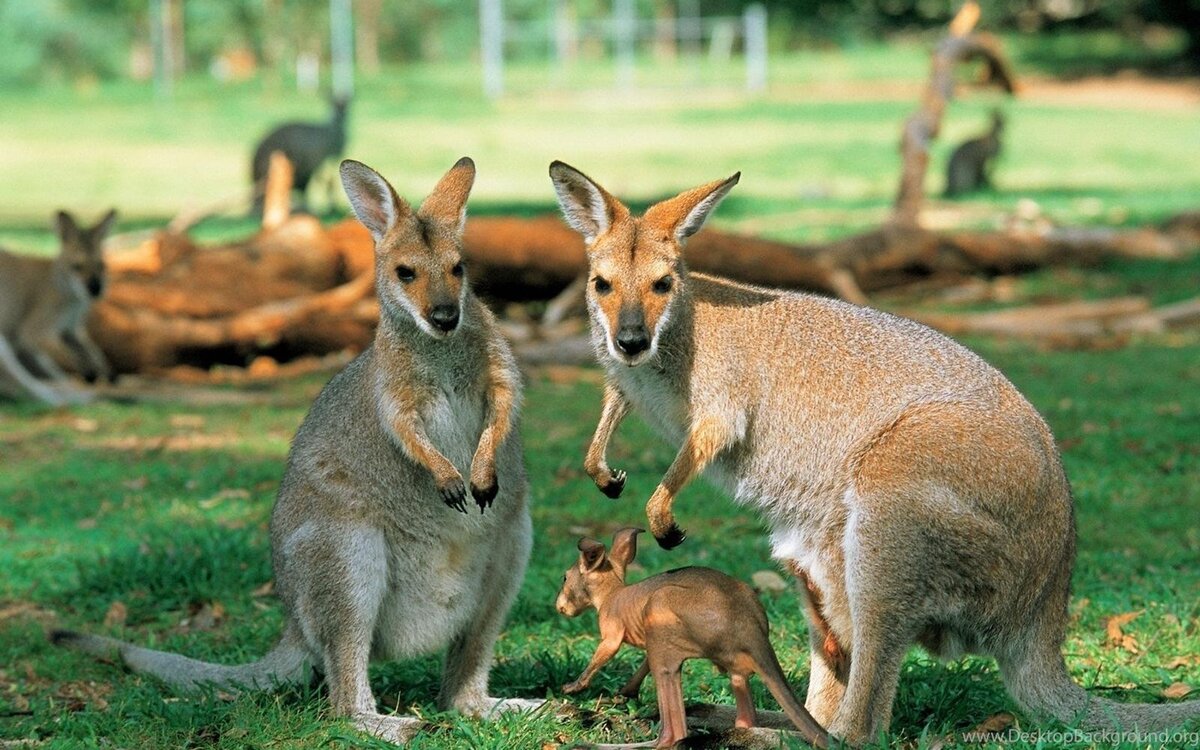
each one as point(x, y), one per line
point(307, 145)
point(971, 163)
point(375, 554)
point(44, 305)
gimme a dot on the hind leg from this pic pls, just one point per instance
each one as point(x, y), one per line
point(883, 581)
point(340, 578)
point(829, 662)
point(471, 652)
point(746, 716)
point(672, 713)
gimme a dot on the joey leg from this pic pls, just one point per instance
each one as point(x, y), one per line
point(633, 687)
point(746, 716)
point(671, 711)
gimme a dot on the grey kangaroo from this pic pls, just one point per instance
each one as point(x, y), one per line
point(375, 554)
point(970, 165)
point(44, 305)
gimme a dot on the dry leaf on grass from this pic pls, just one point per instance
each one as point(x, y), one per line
point(116, 615)
point(1176, 690)
point(768, 580)
point(1180, 661)
point(204, 617)
point(995, 724)
point(1114, 636)
point(266, 589)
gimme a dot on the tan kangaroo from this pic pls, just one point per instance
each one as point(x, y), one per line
point(688, 613)
point(44, 305)
point(372, 555)
point(916, 493)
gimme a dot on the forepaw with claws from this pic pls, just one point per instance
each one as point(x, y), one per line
point(615, 484)
point(484, 495)
point(672, 538)
point(454, 494)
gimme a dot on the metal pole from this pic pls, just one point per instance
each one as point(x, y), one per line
point(341, 48)
point(624, 29)
point(160, 41)
point(754, 22)
point(491, 46)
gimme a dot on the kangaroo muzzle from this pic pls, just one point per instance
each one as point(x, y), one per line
point(632, 336)
point(444, 317)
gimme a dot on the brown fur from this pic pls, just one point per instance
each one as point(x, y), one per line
point(690, 613)
point(918, 493)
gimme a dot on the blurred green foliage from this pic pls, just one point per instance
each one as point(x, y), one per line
point(78, 40)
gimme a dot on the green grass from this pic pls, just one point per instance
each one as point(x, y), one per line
point(817, 151)
point(163, 507)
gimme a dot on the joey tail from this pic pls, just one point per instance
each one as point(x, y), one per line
point(769, 671)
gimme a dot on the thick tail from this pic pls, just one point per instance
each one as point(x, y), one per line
point(768, 669)
point(1039, 682)
point(285, 664)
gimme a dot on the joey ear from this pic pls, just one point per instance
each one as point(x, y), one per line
point(684, 214)
point(448, 200)
point(105, 225)
point(587, 207)
point(65, 226)
point(624, 546)
point(591, 554)
point(373, 199)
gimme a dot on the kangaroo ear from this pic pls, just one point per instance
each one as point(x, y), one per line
point(66, 227)
point(105, 225)
point(591, 555)
point(374, 201)
point(624, 546)
point(448, 201)
point(684, 214)
point(588, 208)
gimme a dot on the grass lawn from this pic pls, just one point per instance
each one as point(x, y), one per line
point(163, 507)
point(148, 521)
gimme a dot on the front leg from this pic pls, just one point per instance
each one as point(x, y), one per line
point(607, 649)
point(709, 435)
point(503, 388)
point(614, 409)
point(408, 430)
point(94, 365)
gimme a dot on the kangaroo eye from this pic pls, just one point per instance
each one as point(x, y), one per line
point(405, 273)
point(602, 285)
point(663, 285)
point(457, 270)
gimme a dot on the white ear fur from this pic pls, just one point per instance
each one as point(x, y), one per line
point(696, 217)
point(374, 201)
point(582, 202)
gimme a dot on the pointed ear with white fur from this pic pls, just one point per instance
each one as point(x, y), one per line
point(587, 207)
point(684, 214)
point(373, 199)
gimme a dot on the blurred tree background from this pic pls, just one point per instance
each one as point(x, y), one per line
point(76, 41)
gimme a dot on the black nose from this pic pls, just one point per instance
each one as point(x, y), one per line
point(444, 317)
point(94, 286)
point(633, 340)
